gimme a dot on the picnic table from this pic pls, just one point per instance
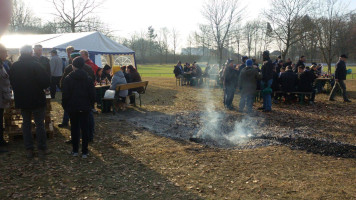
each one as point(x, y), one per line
point(100, 92)
point(13, 120)
point(320, 82)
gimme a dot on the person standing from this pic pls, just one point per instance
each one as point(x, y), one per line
point(78, 98)
point(266, 83)
point(85, 55)
point(56, 65)
point(178, 70)
point(44, 61)
point(29, 80)
point(340, 77)
point(230, 77)
point(248, 82)
point(301, 62)
point(5, 92)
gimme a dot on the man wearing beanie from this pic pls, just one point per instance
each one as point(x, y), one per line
point(267, 79)
point(248, 84)
point(78, 97)
point(67, 71)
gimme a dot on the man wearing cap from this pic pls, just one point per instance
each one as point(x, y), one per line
point(230, 77)
point(340, 76)
point(248, 84)
point(56, 65)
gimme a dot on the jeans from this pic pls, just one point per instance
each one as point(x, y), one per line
point(229, 96)
point(2, 125)
point(246, 100)
point(55, 80)
point(267, 99)
point(39, 116)
point(79, 122)
point(65, 119)
point(339, 85)
point(91, 125)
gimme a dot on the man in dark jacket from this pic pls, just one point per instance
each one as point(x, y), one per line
point(230, 77)
point(67, 71)
point(267, 79)
point(248, 83)
point(288, 63)
point(28, 80)
point(288, 81)
point(44, 61)
point(178, 70)
point(78, 99)
point(305, 82)
point(300, 63)
point(340, 76)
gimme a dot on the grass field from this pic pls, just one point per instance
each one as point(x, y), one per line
point(166, 70)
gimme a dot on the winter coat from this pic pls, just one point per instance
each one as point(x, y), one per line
point(93, 66)
point(305, 82)
point(288, 81)
point(340, 71)
point(133, 78)
point(248, 80)
point(29, 79)
point(299, 63)
point(230, 77)
point(69, 69)
point(275, 83)
point(178, 70)
point(78, 92)
point(118, 79)
point(5, 90)
point(44, 61)
point(56, 65)
point(267, 70)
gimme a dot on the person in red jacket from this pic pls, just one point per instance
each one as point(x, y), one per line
point(85, 55)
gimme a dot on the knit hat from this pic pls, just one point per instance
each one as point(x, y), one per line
point(74, 55)
point(115, 69)
point(249, 62)
point(78, 62)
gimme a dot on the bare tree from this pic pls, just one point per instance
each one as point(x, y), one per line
point(329, 24)
point(74, 12)
point(250, 30)
point(175, 38)
point(223, 16)
point(22, 19)
point(284, 18)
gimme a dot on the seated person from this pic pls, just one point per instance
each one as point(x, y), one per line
point(306, 81)
point(134, 76)
point(117, 79)
point(288, 81)
point(197, 72)
point(98, 76)
point(178, 70)
point(106, 73)
point(123, 69)
point(186, 67)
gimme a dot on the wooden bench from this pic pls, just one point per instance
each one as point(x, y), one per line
point(301, 95)
point(108, 102)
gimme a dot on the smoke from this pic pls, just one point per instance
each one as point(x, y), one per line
point(217, 127)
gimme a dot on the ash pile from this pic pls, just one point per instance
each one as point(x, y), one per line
point(222, 130)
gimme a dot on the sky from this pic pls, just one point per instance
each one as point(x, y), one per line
point(130, 16)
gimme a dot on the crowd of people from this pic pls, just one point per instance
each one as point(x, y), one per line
point(192, 74)
point(30, 78)
point(285, 77)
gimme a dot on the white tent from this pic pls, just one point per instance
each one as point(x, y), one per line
point(102, 50)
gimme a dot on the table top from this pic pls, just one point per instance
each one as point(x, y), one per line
point(324, 79)
point(101, 86)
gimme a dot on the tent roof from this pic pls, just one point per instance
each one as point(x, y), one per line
point(91, 41)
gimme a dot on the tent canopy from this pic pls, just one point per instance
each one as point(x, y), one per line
point(102, 50)
point(94, 42)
